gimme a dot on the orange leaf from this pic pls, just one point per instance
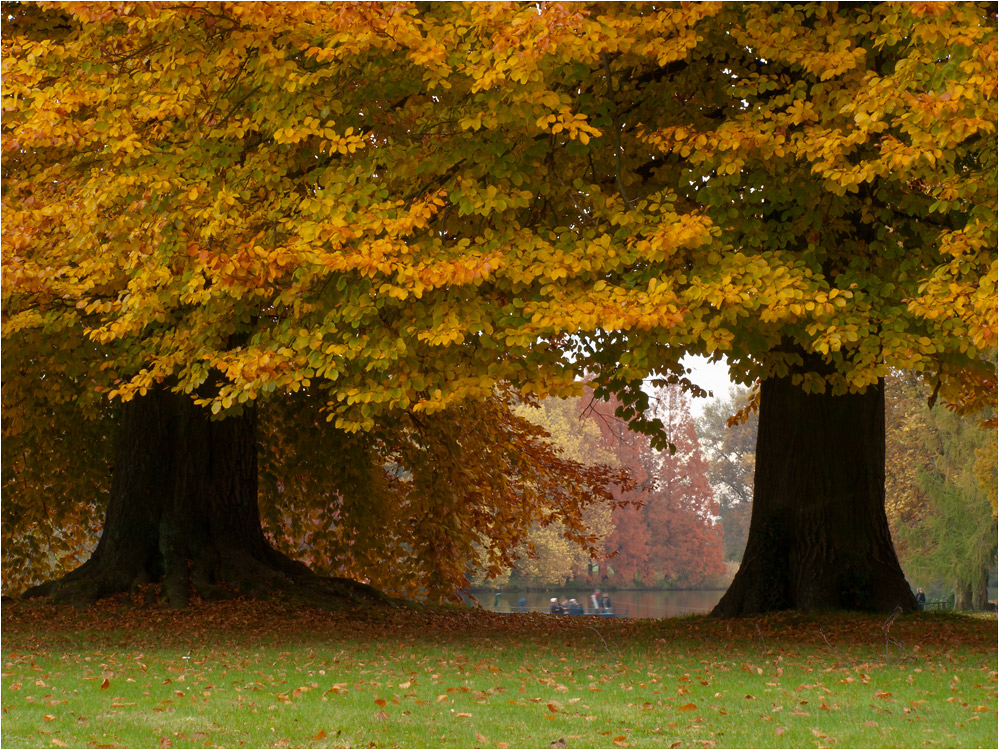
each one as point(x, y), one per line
point(320, 735)
point(106, 684)
point(380, 702)
point(688, 707)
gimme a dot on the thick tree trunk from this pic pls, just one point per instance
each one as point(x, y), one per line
point(962, 596)
point(980, 591)
point(818, 536)
point(972, 594)
point(183, 511)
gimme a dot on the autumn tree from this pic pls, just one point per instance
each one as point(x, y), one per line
point(856, 151)
point(549, 556)
point(51, 516)
point(687, 547)
point(405, 208)
point(727, 432)
point(206, 201)
point(436, 494)
point(942, 488)
point(630, 541)
point(667, 533)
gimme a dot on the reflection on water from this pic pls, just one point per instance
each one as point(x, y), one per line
point(630, 603)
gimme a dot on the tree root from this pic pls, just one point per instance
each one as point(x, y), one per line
point(212, 577)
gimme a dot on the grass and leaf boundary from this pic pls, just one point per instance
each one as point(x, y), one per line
point(279, 674)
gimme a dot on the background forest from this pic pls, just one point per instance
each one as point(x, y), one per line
point(685, 523)
point(662, 530)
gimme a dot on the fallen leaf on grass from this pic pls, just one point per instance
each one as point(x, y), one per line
point(380, 702)
point(688, 707)
point(320, 735)
point(106, 684)
point(381, 716)
point(49, 717)
point(553, 707)
point(463, 716)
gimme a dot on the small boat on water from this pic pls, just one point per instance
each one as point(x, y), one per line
point(547, 611)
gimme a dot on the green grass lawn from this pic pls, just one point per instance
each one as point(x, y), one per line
point(268, 675)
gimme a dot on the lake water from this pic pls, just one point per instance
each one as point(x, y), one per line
point(632, 603)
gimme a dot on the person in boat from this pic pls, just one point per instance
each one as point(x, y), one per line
point(605, 604)
point(595, 602)
point(555, 607)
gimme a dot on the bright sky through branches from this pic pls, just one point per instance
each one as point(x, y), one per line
point(712, 376)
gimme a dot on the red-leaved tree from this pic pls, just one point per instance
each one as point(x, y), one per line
point(668, 532)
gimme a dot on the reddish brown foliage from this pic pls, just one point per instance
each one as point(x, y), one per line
point(669, 531)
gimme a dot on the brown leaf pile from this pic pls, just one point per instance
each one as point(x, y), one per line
point(250, 620)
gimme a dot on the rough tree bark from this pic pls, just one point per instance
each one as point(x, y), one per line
point(980, 591)
point(183, 511)
point(818, 536)
point(962, 597)
point(972, 594)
